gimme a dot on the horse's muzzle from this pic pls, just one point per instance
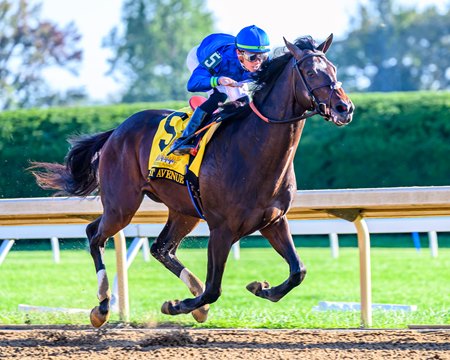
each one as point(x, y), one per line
point(342, 113)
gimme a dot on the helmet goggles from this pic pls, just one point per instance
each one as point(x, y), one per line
point(252, 57)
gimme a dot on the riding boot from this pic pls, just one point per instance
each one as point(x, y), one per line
point(196, 119)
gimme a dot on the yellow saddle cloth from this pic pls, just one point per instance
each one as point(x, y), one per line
point(174, 167)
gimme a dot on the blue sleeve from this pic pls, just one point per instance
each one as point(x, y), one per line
point(200, 80)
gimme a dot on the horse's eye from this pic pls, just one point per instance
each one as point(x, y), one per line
point(310, 73)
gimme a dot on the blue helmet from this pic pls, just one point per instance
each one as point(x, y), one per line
point(253, 39)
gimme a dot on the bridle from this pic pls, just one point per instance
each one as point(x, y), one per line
point(317, 108)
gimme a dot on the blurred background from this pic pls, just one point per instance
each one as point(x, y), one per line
point(83, 66)
point(70, 67)
point(114, 51)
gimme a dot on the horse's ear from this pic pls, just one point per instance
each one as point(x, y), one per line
point(326, 44)
point(292, 48)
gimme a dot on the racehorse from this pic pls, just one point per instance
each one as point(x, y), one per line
point(247, 178)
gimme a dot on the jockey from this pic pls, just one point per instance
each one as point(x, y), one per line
point(220, 65)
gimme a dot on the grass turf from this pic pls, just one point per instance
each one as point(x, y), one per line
point(399, 276)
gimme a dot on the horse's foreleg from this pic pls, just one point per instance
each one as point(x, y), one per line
point(164, 249)
point(219, 246)
point(280, 238)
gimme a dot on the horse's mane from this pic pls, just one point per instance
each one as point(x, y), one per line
point(270, 70)
point(269, 73)
point(238, 109)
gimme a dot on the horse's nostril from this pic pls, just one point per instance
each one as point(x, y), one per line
point(341, 108)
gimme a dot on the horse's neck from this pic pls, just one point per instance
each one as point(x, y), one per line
point(272, 147)
point(275, 145)
point(279, 103)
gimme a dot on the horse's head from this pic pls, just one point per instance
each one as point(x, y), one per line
point(317, 80)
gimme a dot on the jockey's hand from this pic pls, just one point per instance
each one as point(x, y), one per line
point(226, 81)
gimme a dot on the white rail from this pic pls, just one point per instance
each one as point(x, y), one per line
point(332, 228)
point(354, 205)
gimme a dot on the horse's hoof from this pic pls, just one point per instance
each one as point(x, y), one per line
point(168, 307)
point(256, 287)
point(97, 318)
point(201, 314)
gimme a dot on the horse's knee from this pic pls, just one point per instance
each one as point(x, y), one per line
point(91, 229)
point(157, 252)
point(154, 250)
point(297, 277)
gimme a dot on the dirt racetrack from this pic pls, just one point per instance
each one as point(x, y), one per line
point(124, 343)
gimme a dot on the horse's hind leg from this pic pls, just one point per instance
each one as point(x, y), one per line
point(164, 249)
point(99, 314)
point(280, 238)
point(114, 219)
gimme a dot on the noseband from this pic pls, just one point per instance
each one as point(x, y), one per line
point(317, 108)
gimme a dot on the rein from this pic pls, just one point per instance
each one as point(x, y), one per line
point(317, 108)
point(272, 121)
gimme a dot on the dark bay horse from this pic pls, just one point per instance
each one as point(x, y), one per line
point(247, 178)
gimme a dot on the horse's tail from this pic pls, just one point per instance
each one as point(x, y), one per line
point(78, 175)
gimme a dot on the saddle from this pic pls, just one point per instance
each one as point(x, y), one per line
point(185, 169)
point(166, 165)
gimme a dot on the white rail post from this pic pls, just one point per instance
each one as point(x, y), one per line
point(334, 245)
point(122, 275)
point(365, 283)
point(236, 248)
point(365, 273)
point(146, 249)
point(55, 249)
point(4, 249)
point(432, 238)
point(131, 254)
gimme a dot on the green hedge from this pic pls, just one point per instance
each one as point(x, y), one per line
point(395, 139)
point(41, 135)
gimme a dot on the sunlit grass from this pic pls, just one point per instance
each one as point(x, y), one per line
point(399, 276)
